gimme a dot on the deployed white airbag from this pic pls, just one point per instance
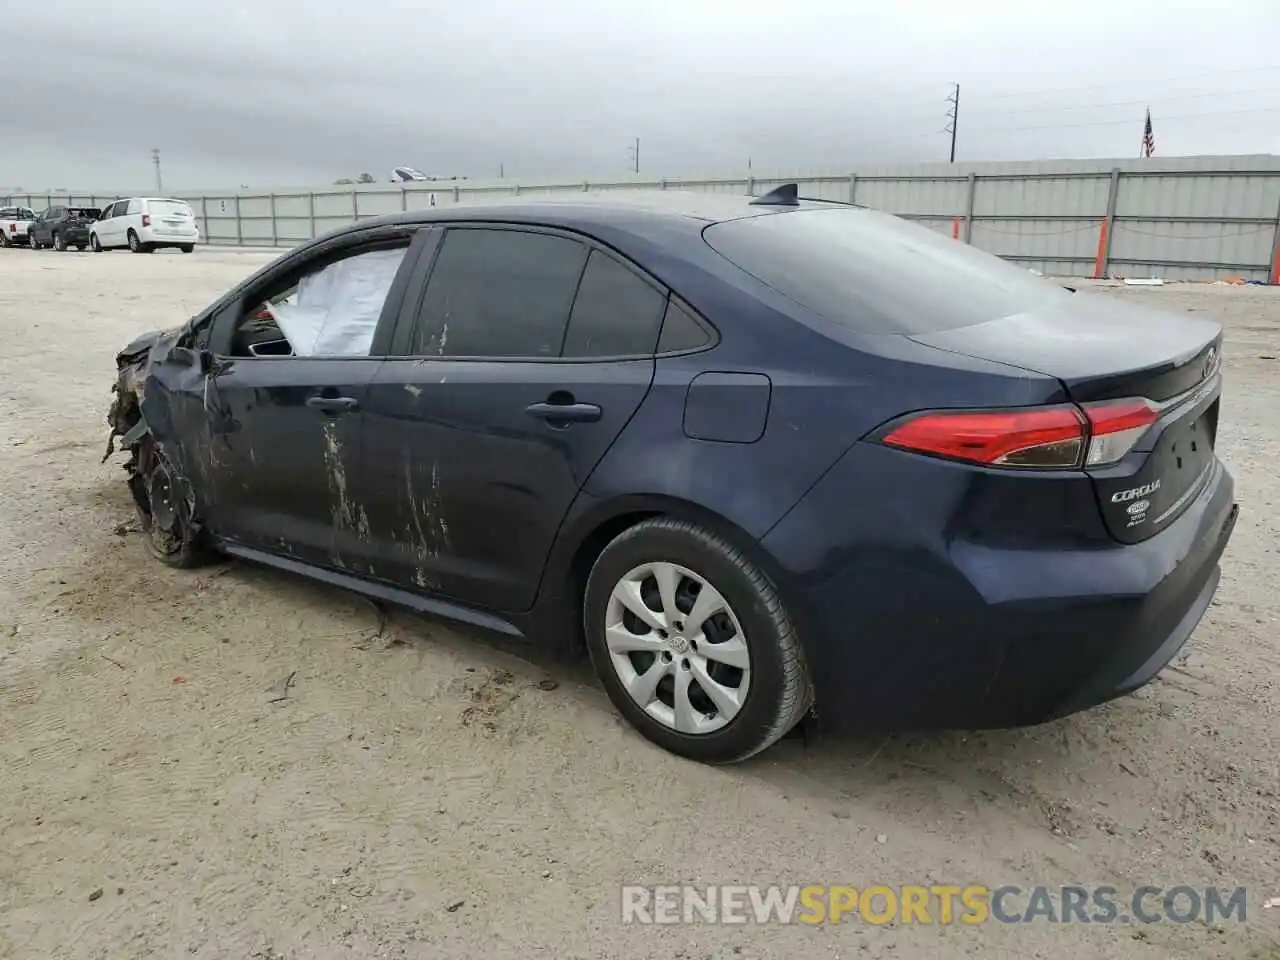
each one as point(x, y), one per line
point(335, 310)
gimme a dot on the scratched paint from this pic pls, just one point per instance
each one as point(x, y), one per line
point(346, 514)
point(428, 531)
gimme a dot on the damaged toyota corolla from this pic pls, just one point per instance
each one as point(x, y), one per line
point(765, 459)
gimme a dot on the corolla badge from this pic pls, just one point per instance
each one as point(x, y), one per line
point(1133, 493)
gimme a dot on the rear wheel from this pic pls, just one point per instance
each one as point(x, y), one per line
point(59, 242)
point(134, 244)
point(692, 643)
point(4, 239)
point(164, 510)
point(32, 242)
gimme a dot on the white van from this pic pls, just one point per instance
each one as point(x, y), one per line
point(144, 224)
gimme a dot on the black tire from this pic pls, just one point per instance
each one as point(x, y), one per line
point(780, 691)
point(80, 247)
point(135, 246)
point(158, 490)
point(4, 239)
point(94, 243)
point(187, 247)
point(32, 242)
point(59, 242)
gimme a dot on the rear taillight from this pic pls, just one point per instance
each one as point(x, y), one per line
point(1063, 436)
point(1032, 437)
point(1115, 426)
point(13, 228)
point(146, 219)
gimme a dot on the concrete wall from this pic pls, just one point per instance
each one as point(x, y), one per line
point(1178, 218)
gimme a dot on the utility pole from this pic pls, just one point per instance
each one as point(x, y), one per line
point(953, 115)
point(155, 158)
point(502, 171)
point(634, 150)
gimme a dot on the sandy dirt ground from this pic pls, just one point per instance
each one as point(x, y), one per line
point(417, 793)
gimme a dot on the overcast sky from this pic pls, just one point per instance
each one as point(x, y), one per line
point(285, 92)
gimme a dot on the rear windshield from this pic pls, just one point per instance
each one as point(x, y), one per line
point(876, 273)
point(169, 208)
point(85, 213)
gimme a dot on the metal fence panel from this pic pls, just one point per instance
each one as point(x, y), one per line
point(1188, 217)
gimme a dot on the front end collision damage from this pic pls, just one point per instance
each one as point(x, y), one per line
point(166, 500)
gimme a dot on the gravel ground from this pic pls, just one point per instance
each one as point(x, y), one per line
point(421, 794)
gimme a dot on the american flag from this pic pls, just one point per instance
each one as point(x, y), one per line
point(1148, 138)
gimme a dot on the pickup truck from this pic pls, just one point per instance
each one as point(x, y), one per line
point(61, 227)
point(14, 224)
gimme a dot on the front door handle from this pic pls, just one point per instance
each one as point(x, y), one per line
point(556, 413)
point(333, 404)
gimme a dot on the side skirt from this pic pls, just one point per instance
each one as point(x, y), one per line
point(379, 591)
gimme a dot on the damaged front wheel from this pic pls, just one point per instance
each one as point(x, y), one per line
point(163, 503)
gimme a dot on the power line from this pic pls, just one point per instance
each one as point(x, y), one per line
point(1144, 79)
point(1128, 120)
point(925, 114)
point(1144, 100)
point(1000, 128)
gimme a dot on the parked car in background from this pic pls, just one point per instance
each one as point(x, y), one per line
point(755, 455)
point(14, 224)
point(62, 226)
point(144, 224)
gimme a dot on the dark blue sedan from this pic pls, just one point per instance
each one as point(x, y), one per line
point(762, 458)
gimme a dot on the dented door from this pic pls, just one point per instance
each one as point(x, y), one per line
point(287, 457)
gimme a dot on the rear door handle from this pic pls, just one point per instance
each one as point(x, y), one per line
point(333, 404)
point(564, 412)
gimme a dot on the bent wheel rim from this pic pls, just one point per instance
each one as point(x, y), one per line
point(167, 526)
point(677, 647)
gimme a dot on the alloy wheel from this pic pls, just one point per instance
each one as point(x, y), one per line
point(678, 648)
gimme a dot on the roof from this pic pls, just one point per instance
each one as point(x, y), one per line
point(638, 211)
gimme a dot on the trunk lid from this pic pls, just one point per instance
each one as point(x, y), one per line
point(1101, 348)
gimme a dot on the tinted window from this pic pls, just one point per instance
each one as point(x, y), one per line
point(6, 213)
point(135, 206)
point(876, 273)
point(498, 293)
point(616, 313)
point(680, 331)
point(106, 213)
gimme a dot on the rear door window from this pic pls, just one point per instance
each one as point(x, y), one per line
point(876, 273)
point(616, 313)
point(169, 208)
point(499, 293)
point(680, 331)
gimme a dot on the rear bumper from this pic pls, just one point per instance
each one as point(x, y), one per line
point(911, 622)
point(156, 237)
point(75, 236)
